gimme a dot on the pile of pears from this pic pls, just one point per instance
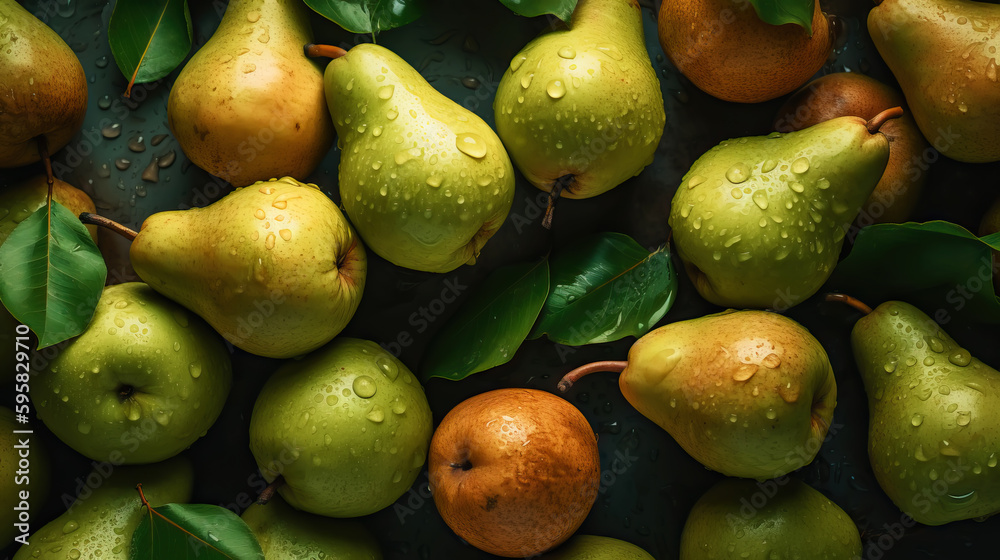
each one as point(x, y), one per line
point(278, 267)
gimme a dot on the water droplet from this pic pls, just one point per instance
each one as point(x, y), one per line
point(471, 144)
point(435, 180)
point(738, 173)
point(391, 114)
point(195, 369)
point(960, 357)
point(992, 461)
point(70, 526)
point(112, 131)
point(732, 241)
point(517, 62)
point(745, 372)
point(136, 144)
point(567, 52)
point(890, 366)
point(385, 92)
point(350, 85)
point(736, 193)
point(259, 214)
point(556, 89)
point(83, 427)
point(760, 199)
point(376, 414)
point(935, 344)
point(918, 453)
point(768, 166)
point(928, 361)
point(964, 417)
point(694, 181)
point(771, 414)
point(285, 234)
point(269, 241)
point(526, 79)
point(800, 165)
point(364, 386)
point(797, 186)
point(917, 420)
point(771, 361)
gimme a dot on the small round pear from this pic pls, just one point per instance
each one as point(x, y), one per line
point(592, 547)
point(740, 519)
point(514, 471)
point(346, 427)
point(285, 533)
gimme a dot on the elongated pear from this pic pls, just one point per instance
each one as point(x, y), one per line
point(100, 523)
point(43, 84)
point(759, 222)
point(746, 393)
point(934, 416)
point(581, 107)
point(249, 104)
point(425, 180)
point(275, 267)
point(944, 55)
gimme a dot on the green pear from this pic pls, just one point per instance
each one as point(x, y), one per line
point(783, 518)
point(581, 107)
point(425, 181)
point(944, 55)
point(274, 267)
point(591, 547)
point(934, 427)
point(43, 84)
point(286, 533)
point(101, 521)
point(249, 104)
point(347, 428)
point(746, 393)
point(141, 384)
point(759, 221)
point(24, 476)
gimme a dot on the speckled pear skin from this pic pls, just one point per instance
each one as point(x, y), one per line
point(274, 267)
point(785, 518)
point(944, 55)
point(759, 221)
point(592, 547)
point(249, 104)
point(746, 393)
point(583, 101)
point(934, 428)
point(102, 519)
point(43, 84)
point(348, 427)
point(424, 180)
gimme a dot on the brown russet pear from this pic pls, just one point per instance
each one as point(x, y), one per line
point(728, 52)
point(944, 55)
point(43, 84)
point(249, 105)
point(852, 94)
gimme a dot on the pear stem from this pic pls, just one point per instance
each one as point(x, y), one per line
point(267, 493)
point(572, 377)
point(43, 154)
point(557, 187)
point(313, 50)
point(96, 220)
point(853, 302)
point(878, 120)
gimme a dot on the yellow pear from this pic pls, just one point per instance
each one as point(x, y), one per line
point(44, 87)
point(249, 105)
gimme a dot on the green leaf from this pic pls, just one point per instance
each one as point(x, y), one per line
point(488, 329)
point(562, 9)
point(149, 38)
point(189, 531)
point(51, 276)
point(938, 266)
point(780, 12)
point(606, 287)
point(368, 16)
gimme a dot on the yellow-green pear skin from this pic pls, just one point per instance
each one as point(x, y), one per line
point(592, 547)
point(944, 53)
point(583, 102)
point(934, 428)
point(249, 104)
point(43, 84)
point(759, 221)
point(100, 523)
point(784, 518)
point(285, 533)
point(274, 267)
point(347, 427)
point(425, 180)
point(23, 491)
point(746, 393)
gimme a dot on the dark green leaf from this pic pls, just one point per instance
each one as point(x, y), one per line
point(51, 277)
point(491, 325)
point(189, 531)
point(780, 12)
point(149, 38)
point(368, 16)
point(939, 266)
point(562, 9)
point(604, 288)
